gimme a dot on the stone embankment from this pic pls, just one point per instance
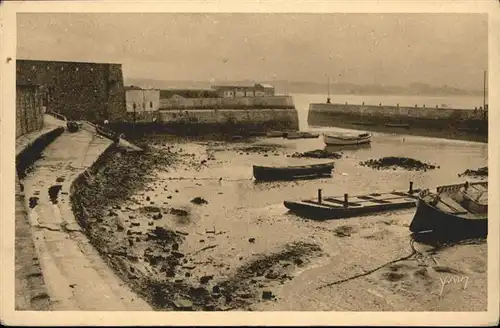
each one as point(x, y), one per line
point(72, 275)
point(30, 288)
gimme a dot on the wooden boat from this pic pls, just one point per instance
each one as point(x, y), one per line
point(272, 173)
point(345, 206)
point(337, 148)
point(300, 135)
point(274, 134)
point(403, 126)
point(346, 139)
point(309, 135)
point(363, 123)
point(454, 210)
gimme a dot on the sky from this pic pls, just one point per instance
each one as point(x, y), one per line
point(384, 49)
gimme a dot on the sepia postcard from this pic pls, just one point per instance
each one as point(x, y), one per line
point(249, 163)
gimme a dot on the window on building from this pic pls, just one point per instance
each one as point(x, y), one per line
point(150, 104)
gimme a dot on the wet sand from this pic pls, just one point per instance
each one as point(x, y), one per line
point(242, 250)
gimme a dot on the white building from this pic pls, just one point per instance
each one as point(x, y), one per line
point(142, 100)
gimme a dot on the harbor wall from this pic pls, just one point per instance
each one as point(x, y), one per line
point(202, 121)
point(265, 102)
point(459, 123)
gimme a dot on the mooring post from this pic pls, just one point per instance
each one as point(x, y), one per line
point(411, 187)
point(346, 200)
point(319, 196)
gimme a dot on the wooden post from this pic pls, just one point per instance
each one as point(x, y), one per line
point(466, 185)
point(319, 196)
point(411, 187)
point(346, 200)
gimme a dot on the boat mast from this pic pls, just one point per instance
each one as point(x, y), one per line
point(328, 83)
point(484, 91)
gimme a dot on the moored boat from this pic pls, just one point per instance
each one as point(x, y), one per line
point(459, 210)
point(363, 123)
point(300, 135)
point(275, 134)
point(324, 208)
point(346, 139)
point(395, 125)
point(272, 173)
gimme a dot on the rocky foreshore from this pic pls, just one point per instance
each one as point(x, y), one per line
point(129, 231)
point(392, 162)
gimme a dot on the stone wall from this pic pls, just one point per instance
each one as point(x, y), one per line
point(29, 113)
point(450, 123)
point(271, 102)
point(77, 90)
point(200, 122)
point(398, 112)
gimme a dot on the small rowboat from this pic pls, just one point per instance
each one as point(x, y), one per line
point(343, 207)
point(363, 123)
point(273, 173)
point(403, 126)
point(346, 139)
point(300, 135)
point(459, 210)
point(275, 134)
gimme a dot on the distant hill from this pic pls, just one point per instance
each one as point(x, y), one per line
point(314, 88)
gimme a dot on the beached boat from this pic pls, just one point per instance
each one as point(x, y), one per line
point(274, 134)
point(272, 173)
point(345, 206)
point(363, 123)
point(393, 125)
point(346, 139)
point(300, 135)
point(309, 135)
point(455, 210)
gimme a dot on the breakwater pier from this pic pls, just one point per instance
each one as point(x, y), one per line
point(195, 116)
point(465, 124)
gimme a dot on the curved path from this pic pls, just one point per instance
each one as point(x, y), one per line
point(75, 275)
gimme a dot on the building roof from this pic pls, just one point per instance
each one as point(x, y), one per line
point(233, 86)
point(266, 86)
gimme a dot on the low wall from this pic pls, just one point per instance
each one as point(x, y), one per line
point(82, 182)
point(432, 120)
point(28, 155)
point(268, 102)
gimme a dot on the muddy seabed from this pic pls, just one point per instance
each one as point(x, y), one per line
point(185, 226)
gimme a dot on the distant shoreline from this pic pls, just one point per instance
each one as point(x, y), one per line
point(415, 89)
point(380, 94)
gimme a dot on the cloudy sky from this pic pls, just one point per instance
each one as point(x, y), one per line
point(389, 49)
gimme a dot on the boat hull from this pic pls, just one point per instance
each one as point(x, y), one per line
point(338, 141)
point(430, 218)
point(262, 173)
